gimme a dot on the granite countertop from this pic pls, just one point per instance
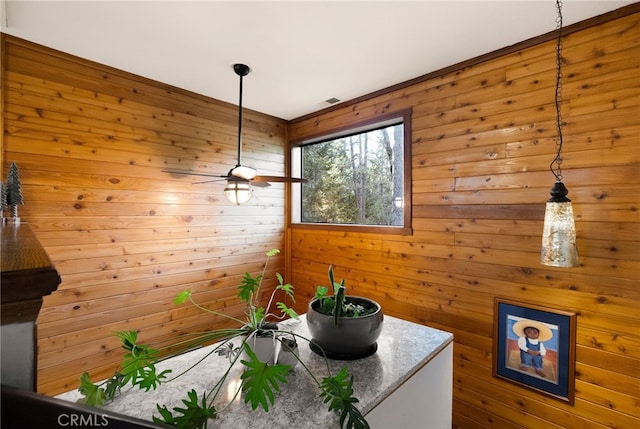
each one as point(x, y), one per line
point(403, 348)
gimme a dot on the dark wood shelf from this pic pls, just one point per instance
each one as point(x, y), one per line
point(27, 274)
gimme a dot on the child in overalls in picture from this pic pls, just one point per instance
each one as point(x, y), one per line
point(531, 336)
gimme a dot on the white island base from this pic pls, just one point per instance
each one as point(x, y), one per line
point(424, 401)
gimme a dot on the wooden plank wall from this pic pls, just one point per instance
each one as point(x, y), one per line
point(482, 141)
point(91, 143)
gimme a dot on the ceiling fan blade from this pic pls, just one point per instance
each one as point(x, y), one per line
point(279, 179)
point(191, 173)
point(209, 181)
point(259, 184)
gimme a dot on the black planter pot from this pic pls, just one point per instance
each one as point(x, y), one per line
point(352, 338)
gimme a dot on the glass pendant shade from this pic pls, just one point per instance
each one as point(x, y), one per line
point(238, 192)
point(559, 247)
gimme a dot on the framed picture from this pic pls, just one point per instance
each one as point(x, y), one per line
point(534, 346)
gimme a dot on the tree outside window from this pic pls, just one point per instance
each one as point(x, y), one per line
point(354, 178)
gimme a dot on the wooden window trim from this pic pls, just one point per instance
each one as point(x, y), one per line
point(406, 229)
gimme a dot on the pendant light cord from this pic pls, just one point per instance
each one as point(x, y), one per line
point(556, 164)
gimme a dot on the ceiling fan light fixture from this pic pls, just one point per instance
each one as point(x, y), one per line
point(240, 178)
point(238, 191)
point(243, 172)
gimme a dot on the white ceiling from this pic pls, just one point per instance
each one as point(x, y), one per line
point(301, 52)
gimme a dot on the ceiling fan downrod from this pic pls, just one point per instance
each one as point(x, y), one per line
point(239, 170)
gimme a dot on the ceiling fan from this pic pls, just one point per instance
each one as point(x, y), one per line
point(241, 177)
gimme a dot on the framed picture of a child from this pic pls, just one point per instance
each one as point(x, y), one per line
point(534, 346)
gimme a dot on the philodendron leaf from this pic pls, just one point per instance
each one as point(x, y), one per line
point(287, 288)
point(166, 416)
point(182, 297)
point(228, 350)
point(194, 416)
point(149, 379)
point(248, 286)
point(338, 392)
point(92, 394)
point(128, 339)
point(260, 381)
point(286, 310)
point(138, 364)
point(113, 385)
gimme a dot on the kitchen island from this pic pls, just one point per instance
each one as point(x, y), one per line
point(406, 384)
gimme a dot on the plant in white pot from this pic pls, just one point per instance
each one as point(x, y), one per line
point(343, 326)
point(266, 355)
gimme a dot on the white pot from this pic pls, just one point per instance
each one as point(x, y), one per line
point(265, 347)
point(288, 354)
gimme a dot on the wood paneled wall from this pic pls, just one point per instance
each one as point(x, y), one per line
point(482, 141)
point(91, 143)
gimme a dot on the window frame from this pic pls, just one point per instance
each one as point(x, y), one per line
point(355, 128)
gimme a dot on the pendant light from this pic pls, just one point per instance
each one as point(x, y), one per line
point(238, 190)
point(559, 232)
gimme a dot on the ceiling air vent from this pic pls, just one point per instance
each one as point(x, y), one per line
point(332, 100)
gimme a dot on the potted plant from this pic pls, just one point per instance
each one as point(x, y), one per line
point(265, 353)
point(343, 326)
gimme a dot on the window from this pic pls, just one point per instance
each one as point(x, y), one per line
point(356, 177)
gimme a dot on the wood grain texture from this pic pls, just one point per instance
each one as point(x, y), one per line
point(483, 138)
point(91, 143)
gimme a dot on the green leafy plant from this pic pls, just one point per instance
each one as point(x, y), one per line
point(195, 415)
point(137, 368)
point(337, 304)
point(138, 365)
point(260, 381)
point(338, 392)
